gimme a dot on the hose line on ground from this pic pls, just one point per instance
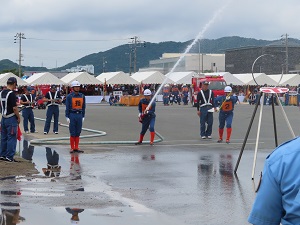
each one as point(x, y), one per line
point(98, 133)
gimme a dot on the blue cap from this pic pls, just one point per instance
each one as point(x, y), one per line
point(29, 88)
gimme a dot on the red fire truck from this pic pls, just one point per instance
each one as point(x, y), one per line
point(216, 84)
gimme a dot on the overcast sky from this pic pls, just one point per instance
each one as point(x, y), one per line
point(58, 32)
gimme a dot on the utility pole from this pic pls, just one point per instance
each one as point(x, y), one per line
point(135, 42)
point(285, 40)
point(135, 38)
point(19, 37)
point(199, 56)
point(130, 59)
point(103, 63)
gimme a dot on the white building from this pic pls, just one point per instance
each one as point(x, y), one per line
point(191, 62)
point(86, 68)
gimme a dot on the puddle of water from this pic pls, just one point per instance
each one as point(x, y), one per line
point(129, 187)
point(60, 215)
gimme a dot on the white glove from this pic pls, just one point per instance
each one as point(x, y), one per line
point(68, 120)
point(228, 97)
point(140, 115)
point(82, 119)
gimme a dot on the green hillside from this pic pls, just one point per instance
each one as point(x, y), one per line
point(118, 58)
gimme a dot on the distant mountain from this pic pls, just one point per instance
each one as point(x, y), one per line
point(6, 65)
point(118, 58)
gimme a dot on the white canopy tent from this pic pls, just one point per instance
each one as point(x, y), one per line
point(44, 78)
point(4, 77)
point(293, 81)
point(260, 78)
point(182, 77)
point(230, 79)
point(151, 77)
point(82, 77)
point(116, 78)
point(281, 78)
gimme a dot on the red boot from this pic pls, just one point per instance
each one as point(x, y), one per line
point(228, 135)
point(220, 135)
point(152, 135)
point(72, 143)
point(76, 147)
point(140, 140)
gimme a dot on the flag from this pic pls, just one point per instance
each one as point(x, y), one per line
point(104, 87)
point(248, 92)
point(19, 134)
point(141, 88)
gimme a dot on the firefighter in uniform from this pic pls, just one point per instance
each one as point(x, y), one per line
point(53, 100)
point(166, 93)
point(185, 93)
point(75, 112)
point(176, 94)
point(27, 113)
point(226, 103)
point(10, 121)
point(205, 108)
point(146, 117)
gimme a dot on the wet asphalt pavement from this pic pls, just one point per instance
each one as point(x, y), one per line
point(182, 180)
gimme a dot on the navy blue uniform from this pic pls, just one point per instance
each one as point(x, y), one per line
point(147, 119)
point(75, 111)
point(52, 110)
point(27, 113)
point(205, 100)
point(226, 114)
point(9, 125)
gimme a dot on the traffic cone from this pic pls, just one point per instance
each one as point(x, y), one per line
point(152, 135)
point(76, 147)
point(220, 135)
point(72, 143)
point(140, 140)
point(228, 135)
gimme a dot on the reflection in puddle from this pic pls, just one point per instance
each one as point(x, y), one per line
point(10, 211)
point(132, 187)
point(53, 169)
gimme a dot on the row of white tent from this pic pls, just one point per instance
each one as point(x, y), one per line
point(153, 77)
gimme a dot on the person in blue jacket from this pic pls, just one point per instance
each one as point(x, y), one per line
point(146, 117)
point(226, 106)
point(75, 112)
point(278, 195)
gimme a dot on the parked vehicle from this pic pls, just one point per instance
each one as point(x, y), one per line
point(216, 84)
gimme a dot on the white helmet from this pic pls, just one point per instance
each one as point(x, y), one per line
point(147, 92)
point(75, 83)
point(228, 89)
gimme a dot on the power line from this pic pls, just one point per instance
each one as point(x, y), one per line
point(77, 40)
